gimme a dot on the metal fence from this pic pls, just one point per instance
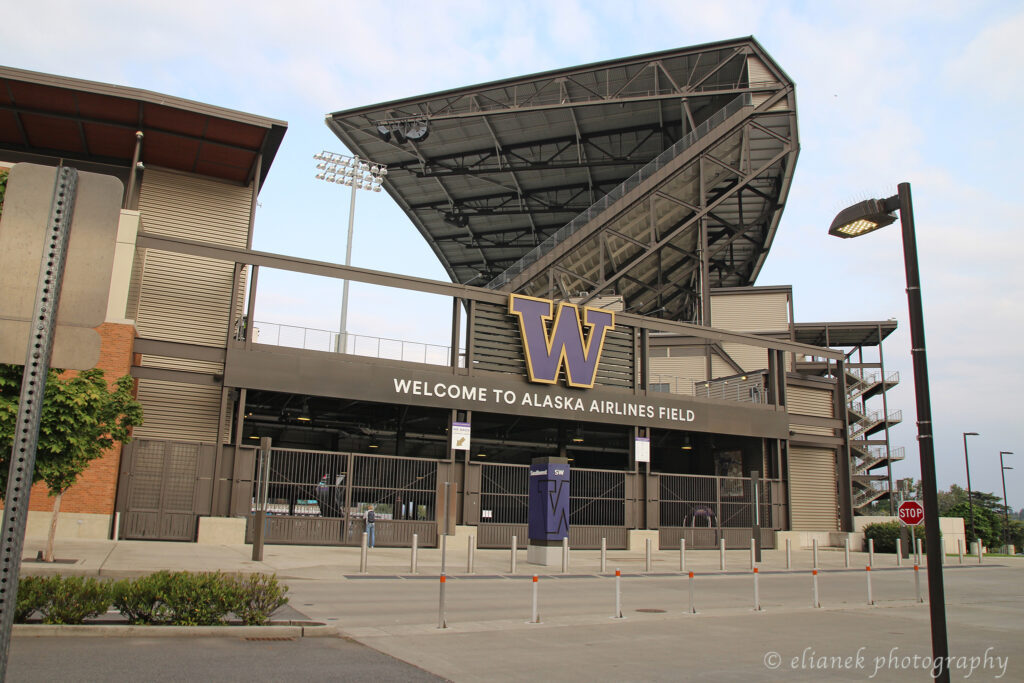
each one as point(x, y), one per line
point(596, 497)
point(718, 503)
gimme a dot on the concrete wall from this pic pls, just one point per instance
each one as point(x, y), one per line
point(221, 530)
point(69, 525)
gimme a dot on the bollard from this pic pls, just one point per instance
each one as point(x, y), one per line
point(753, 553)
point(721, 555)
point(604, 554)
point(789, 555)
point(757, 596)
point(867, 571)
point(536, 615)
point(442, 621)
point(682, 554)
point(470, 543)
point(814, 548)
point(693, 608)
point(647, 555)
point(618, 595)
point(960, 549)
point(512, 564)
point(981, 552)
point(871, 552)
point(899, 552)
point(917, 584)
point(415, 548)
point(362, 555)
point(565, 555)
point(846, 551)
point(814, 597)
point(920, 543)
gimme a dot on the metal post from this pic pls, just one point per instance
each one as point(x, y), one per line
point(618, 594)
point(536, 615)
point(30, 403)
point(757, 595)
point(960, 549)
point(262, 489)
point(1006, 509)
point(693, 607)
point(899, 554)
point(565, 555)
point(647, 555)
point(682, 554)
point(981, 553)
point(442, 621)
point(721, 554)
point(469, 554)
point(512, 564)
point(415, 549)
point(789, 554)
point(867, 572)
point(814, 547)
point(362, 554)
point(871, 552)
point(814, 600)
point(919, 551)
point(604, 554)
point(846, 552)
point(970, 495)
point(753, 554)
point(342, 345)
point(917, 584)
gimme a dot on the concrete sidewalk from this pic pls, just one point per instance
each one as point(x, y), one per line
point(122, 559)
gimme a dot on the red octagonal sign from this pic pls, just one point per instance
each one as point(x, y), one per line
point(911, 512)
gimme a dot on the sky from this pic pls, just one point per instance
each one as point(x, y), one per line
point(928, 93)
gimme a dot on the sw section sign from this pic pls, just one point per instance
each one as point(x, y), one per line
point(911, 512)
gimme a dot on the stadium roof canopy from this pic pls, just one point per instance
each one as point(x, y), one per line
point(490, 174)
point(55, 116)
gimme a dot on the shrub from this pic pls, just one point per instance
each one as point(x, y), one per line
point(73, 599)
point(198, 599)
point(141, 600)
point(886, 533)
point(32, 595)
point(257, 596)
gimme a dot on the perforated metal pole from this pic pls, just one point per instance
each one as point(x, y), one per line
point(30, 402)
point(814, 548)
point(536, 615)
point(647, 555)
point(362, 554)
point(618, 594)
point(413, 561)
point(917, 584)
point(899, 553)
point(693, 607)
point(814, 600)
point(757, 594)
point(604, 554)
point(867, 572)
point(682, 554)
point(789, 554)
point(512, 563)
point(721, 554)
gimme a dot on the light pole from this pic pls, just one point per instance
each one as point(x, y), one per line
point(970, 494)
point(359, 174)
point(1006, 510)
point(861, 219)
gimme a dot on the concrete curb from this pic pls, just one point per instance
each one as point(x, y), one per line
point(132, 631)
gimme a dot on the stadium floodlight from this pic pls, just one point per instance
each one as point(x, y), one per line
point(857, 220)
point(360, 174)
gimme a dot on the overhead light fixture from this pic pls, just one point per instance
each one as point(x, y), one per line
point(687, 443)
point(253, 436)
point(862, 218)
point(577, 436)
point(304, 419)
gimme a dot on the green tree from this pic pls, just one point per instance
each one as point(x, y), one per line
point(988, 525)
point(81, 418)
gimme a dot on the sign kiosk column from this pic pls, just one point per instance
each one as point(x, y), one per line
point(548, 510)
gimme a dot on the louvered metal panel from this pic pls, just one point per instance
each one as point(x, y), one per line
point(812, 481)
point(179, 205)
point(183, 412)
point(750, 358)
point(807, 401)
point(741, 312)
point(679, 373)
point(212, 367)
point(498, 347)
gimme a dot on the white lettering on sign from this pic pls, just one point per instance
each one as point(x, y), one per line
point(538, 473)
point(559, 473)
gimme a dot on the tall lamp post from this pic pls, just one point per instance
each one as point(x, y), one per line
point(359, 174)
point(861, 219)
point(970, 494)
point(1006, 509)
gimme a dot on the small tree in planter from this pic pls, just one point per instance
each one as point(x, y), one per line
point(81, 418)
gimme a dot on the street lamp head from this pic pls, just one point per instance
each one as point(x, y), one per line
point(971, 434)
point(861, 218)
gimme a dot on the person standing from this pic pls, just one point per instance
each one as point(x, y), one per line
point(371, 519)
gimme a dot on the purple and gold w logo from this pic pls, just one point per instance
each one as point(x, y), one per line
point(545, 352)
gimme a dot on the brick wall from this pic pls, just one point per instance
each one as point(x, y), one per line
point(97, 486)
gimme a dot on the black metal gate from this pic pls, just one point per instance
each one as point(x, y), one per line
point(705, 510)
point(162, 482)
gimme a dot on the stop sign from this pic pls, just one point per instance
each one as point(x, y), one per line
point(911, 512)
